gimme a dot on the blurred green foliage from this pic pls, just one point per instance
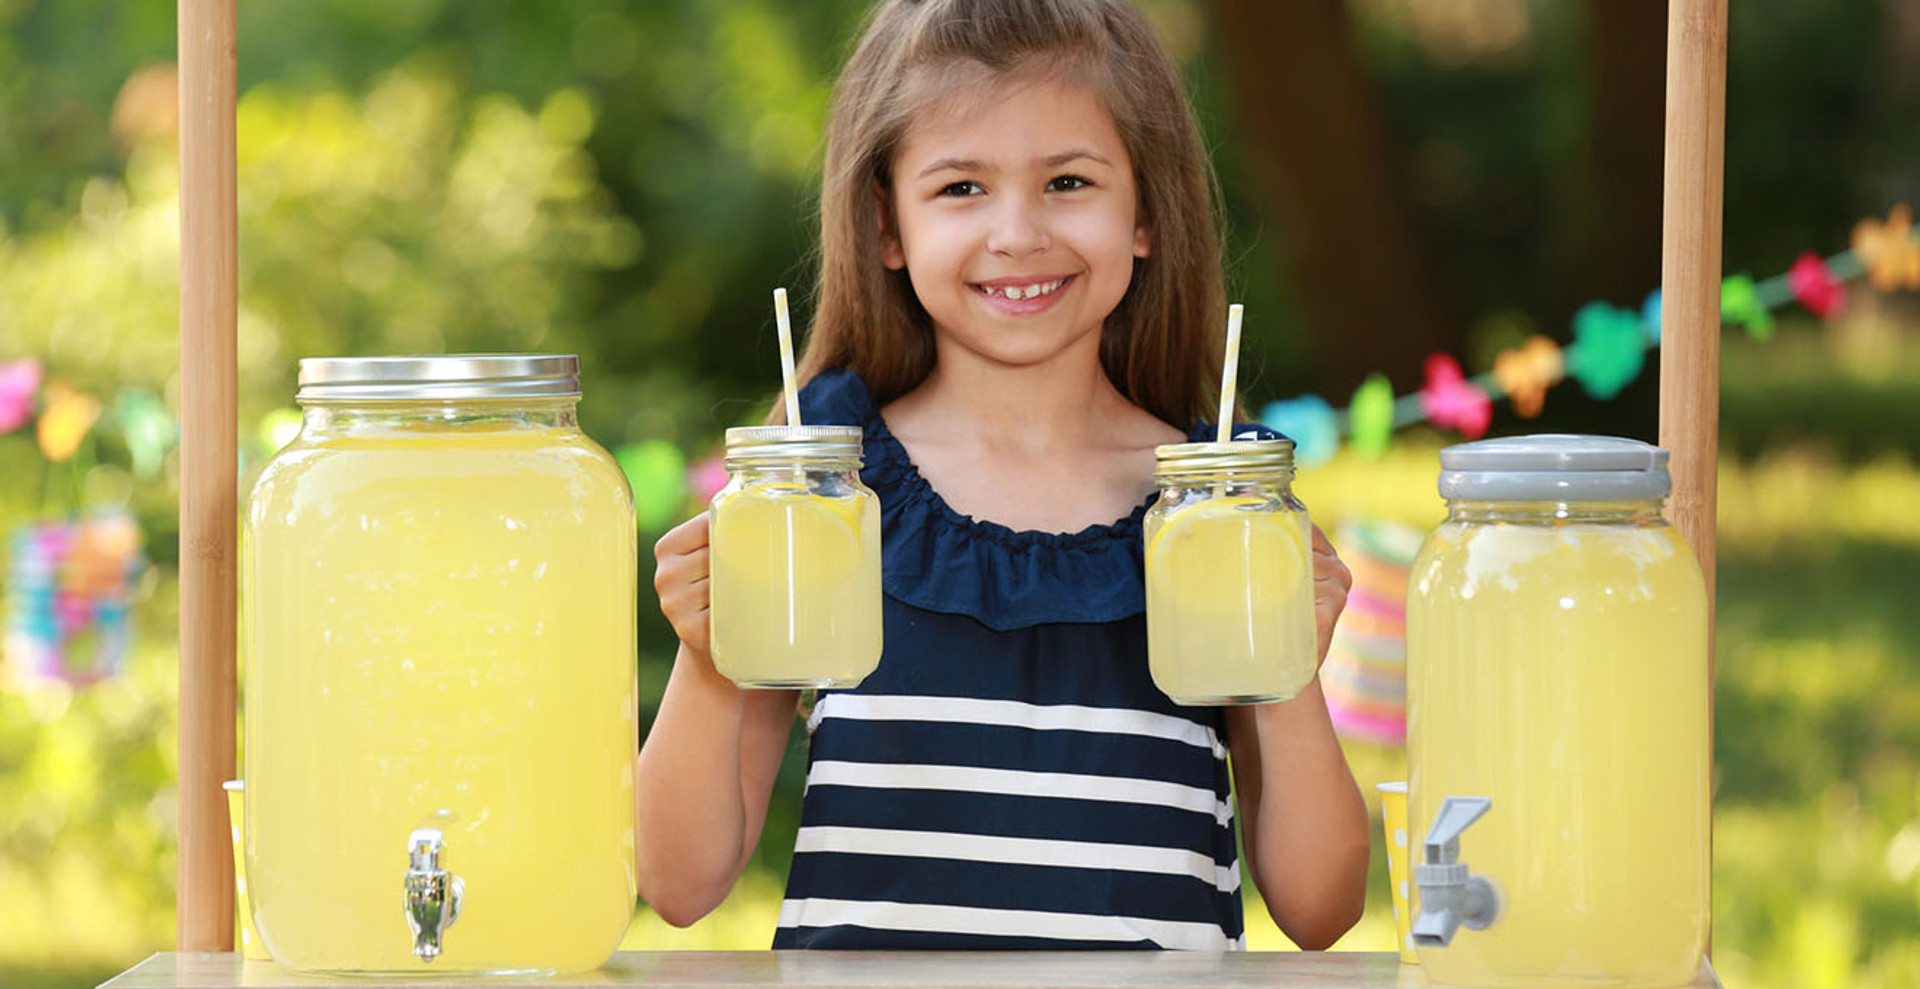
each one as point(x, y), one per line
point(628, 182)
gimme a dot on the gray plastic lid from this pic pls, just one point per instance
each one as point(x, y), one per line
point(1554, 467)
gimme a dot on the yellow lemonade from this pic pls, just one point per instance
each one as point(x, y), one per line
point(1229, 601)
point(795, 585)
point(1560, 669)
point(439, 624)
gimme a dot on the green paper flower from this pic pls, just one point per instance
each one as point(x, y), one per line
point(1740, 303)
point(1370, 416)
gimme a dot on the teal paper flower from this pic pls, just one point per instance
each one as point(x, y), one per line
point(1310, 423)
point(1609, 349)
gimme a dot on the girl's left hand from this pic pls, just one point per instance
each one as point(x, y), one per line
point(1331, 581)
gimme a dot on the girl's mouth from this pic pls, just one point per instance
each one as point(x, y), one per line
point(1023, 297)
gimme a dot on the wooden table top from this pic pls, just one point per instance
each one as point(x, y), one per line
point(851, 969)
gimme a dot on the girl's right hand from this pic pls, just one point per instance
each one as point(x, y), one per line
point(680, 579)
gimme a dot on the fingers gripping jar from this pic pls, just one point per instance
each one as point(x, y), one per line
point(1229, 575)
point(438, 600)
point(795, 560)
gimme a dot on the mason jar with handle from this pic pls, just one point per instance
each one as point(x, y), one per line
point(1229, 573)
point(1557, 721)
point(794, 558)
point(438, 601)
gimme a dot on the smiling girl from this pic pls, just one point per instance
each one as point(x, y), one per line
point(1019, 299)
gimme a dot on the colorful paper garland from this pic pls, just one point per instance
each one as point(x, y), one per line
point(1609, 345)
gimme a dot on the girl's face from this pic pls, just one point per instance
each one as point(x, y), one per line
point(1015, 219)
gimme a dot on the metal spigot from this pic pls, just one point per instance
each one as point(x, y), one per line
point(1450, 896)
point(433, 893)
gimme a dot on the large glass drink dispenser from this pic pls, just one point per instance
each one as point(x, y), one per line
point(438, 587)
point(1557, 724)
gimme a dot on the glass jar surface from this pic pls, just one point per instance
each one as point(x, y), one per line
point(795, 560)
point(1229, 575)
point(1557, 665)
point(438, 605)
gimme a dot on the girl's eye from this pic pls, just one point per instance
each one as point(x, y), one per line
point(964, 188)
point(1067, 183)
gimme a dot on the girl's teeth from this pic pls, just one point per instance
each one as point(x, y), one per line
point(1017, 293)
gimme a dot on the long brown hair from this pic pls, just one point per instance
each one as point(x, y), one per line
point(1161, 346)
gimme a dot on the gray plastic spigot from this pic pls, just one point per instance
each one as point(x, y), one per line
point(1451, 897)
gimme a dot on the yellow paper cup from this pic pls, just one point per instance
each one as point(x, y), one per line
point(1393, 815)
point(244, 936)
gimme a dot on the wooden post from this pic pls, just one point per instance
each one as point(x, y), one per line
point(1690, 277)
point(209, 514)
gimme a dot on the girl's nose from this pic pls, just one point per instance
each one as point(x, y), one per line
point(1018, 230)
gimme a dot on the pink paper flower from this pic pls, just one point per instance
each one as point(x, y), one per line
point(1815, 286)
point(1450, 400)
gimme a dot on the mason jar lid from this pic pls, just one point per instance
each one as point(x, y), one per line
point(1184, 459)
point(793, 443)
point(451, 377)
point(1554, 467)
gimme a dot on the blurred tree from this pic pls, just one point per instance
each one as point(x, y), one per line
point(1309, 121)
point(1613, 178)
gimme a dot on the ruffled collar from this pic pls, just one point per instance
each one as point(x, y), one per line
point(935, 558)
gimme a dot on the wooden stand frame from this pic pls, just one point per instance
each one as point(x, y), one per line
point(1690, 272)
point(209, 469)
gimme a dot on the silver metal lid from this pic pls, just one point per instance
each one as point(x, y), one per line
point(450, 377)
point(1554, 467)
point(1180, 459)
point(746, 443)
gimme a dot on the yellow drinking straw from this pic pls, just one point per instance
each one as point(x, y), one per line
point(785, 323)
point(1230, 375)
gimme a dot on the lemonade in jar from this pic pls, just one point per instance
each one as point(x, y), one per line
point(1557, 734)
point(795, 560)
point(438, 603)
point(1229, 575)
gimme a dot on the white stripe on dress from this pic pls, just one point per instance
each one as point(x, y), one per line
point(1020, 783)
point(1020, 851)
point(885, 915)
point(1016, 714)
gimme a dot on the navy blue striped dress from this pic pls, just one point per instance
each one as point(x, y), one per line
point(1010, 777)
